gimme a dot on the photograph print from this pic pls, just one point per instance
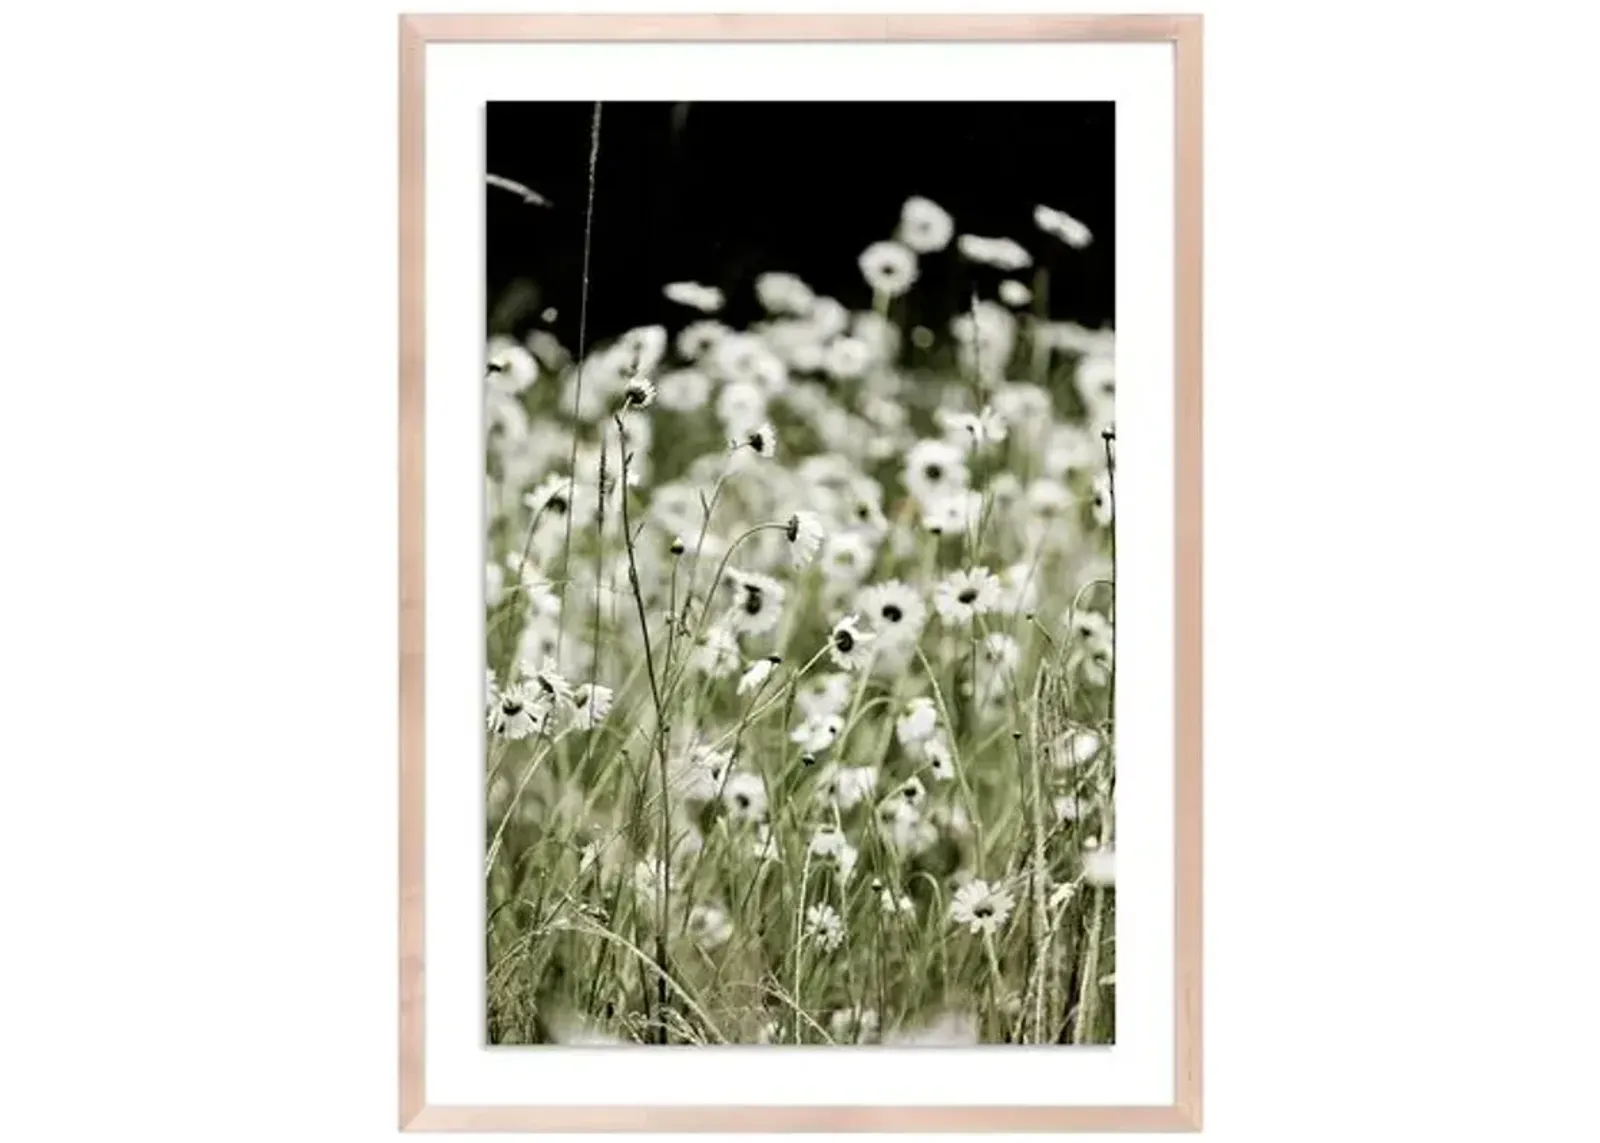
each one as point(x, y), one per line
point(800, 549)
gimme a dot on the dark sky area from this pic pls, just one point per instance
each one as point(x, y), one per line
point(721, 192)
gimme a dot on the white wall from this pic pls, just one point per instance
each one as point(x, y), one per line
point(196, 462)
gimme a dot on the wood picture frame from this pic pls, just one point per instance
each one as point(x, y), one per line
point(1183, 32)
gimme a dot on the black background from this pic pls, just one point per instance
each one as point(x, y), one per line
point(721, 192)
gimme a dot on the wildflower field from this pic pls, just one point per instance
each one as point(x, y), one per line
point(800, 666)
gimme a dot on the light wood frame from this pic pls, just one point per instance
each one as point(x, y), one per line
point(1184, 33)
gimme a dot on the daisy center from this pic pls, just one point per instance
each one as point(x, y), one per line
point(968, 594)
point(892, 613)
point(752, 601)
point(844, 640)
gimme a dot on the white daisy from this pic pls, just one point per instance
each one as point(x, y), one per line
point(1100, 867)
point(593, 701)
point(1002, 253)
point(824, 926)
point(741, 406)
point(817, 733)
point(683, 390)
point(805, 534)
point(706, 299)
point(514, 715)
point(1022, 404)
point(698, 339)
point(757, 602)
point(1101, 500)
point(643, 347)
point(829, 318)
point(889, 268)
point(757, 673)
point(807, 356)
point(848, 645)
point(879, 336)
point(933, 470)
point(1069, 449)
point(1014, 293)
point(1096, 381)
point(911, 792)
point(640, 393)
point(1062, 225)
point(905, 830)
point(553, 497)
point(846, 787)
point(832, 846)
point(919, 722)
point(546, 687)
point(795, 341)
point(982, 908)
point(761, 440)
point(968, 431)
point(744, 796)
point(846, 358)
point(1000, 653)
point(823, 695)
point(941, 762)
point(709, 926)
point(746, 357)
point(1048, 503)
point(1077, 749)
point(677, 508)
point(885, 414)
point(955, 514)
point(1091, 628)
point(781, 293)
point(925, 226)
point(508, 367)
point(1096, 665)
point(590, 386)
point(700, 775)
point(846, 558)
point(1019, 589)
point(717, 654)
point(895, 610)
point(986, 335)
point(964, 594)
point(538, 639)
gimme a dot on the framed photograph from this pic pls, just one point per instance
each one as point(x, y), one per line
point(800, 612)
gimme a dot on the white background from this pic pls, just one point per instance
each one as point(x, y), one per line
point(461, 78)
point(197, 614)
